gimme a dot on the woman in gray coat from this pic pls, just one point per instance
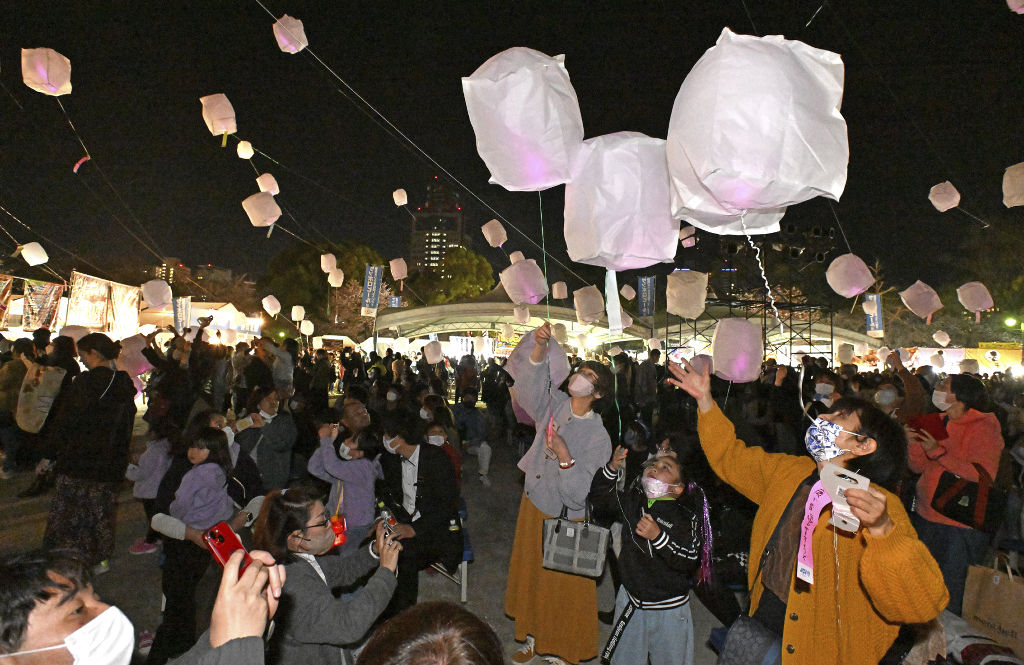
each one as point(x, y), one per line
point(271, 445)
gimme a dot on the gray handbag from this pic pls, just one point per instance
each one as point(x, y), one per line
point(577, 548)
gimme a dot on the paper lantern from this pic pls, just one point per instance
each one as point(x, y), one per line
point(516, 257)
point(845, 354)
point(904, 356)
point(737, 350)
point(398, 269)
point(328, 262)
point(849, 276)
point(1013, 184)
point(688, 236)
point(272, 306)
point(617, 212)
point(245, 151)
point(524, 282)
point(941, 338)
point(34, 254)
point(218, 114)
point(970, 366)
point(298, 313)
point(306, 327)
point(290, 36)
point(478, 344)
point(559, 291)
point(589, 304)
point(944, 196)
point(937, 360)
point(507, 331)
point(756, 127)
point(526, 118)
point(317, 342)
point(1016, 6)
point(614, 351)
point(46, 71)
point(628, 292)
point(861, 348)
point(703, 361)
point(870, 307)
point(883, 353)
point(581, 341)
point(400, 197)
point(157, 293)
point(401, 345)
point(494, 233)
point(521, 314)
point(268, 183)
point(262, 209)
point(560, 333)
point(921, 299)
point(130, 359)
point(627, 320)
point(654, 344)
point(686, 293)
point(336, 278)
point(74, 332)
point(432, 352)
point(974, 296)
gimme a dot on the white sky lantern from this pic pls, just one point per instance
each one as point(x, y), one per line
point(526, 118)
point(218, 114)
point(262, 209)
point(617, 212)
point(131, 359)
point(317, 342)
point(904, 356)
point(400, 197)
point(861, 348)
point(507, 330)
point(521, 314)
point(245, 150)
point(845, 353)
point(272, 306)
point(849, 276)
point(970, 366)
point(328, 262)
point(560, 333)
point(516, 257)
point(401, 345)
point(1013, 183)
point(921, 299)
point(581, 341)
point(628, 292)
point(737, 349)
point(627, 320)
point(701, 361)
point(74, 332)
point(937, 360)
point(494, 233)
point(478, 344)
point(941, 338)
point(870, 307)
point(883, 353)
point(432, 352)
point(46, 71)
point(654, 344)
point(589, 304)
point(34, 254)
point(944, 196)
point(157, 293)
point(306, 327)
point(614, 351)
point(559, 290)
point(757, 123)
point(268, 183)
point(686, 293)
point(336, 277)
point(974, 296)
point(298, 313)
point(399, 270)
point(290, 36)
point(524, 282)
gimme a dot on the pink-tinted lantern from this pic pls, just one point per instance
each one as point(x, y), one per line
point(849, 276)
point(524, 282)
point(399, 270)
point(516, 257)
point(262, 209)
point(589, 304)
point(432, 352)
point(702, 362)
point(130, 359)
point(686, 293)
point(845, 353)
point(46, 71)
point(1016, 6)
point(1013, 183)
point(974, 296)
point(941, 338)
point(494, 233)
point(560, 333)
point(157, 293)
point(654, 344)
point(290, 35)
point(559, 291)
point(74, 332)
point(737, 349)
point(944, 196)
point(267, 183)
point(218, 114)
point(688, 236)
point(921, 299)
point(521, 314)
point(328, 262)
point(628, 292)
point(271, 305)
point(507, 331)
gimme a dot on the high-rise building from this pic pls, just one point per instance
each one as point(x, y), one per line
point(212, 273)
point(437, 226)
point(171, 269)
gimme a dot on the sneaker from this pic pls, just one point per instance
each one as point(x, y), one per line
point(101, 567)
point(145, 642)
point(526, 654)
point(484, 480)
point(140, 546)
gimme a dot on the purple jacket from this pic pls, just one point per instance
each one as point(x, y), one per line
point(357, 476)
point(152, 466)
point(202, 498)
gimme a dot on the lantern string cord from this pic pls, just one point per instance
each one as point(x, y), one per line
point(51, 242)
point(832, 207)
point(814, 16)
point(750, 17)
point(544, 255)
point(764, 276)
point(16, 243)
point(17, 246)
point(983, 223)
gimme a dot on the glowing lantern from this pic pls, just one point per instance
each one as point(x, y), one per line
point(884, 353)
point(262, 209)
point(46, 71)
point(1013, 182)
point(1016, 6)
point(157, 293)
point(494, 233)
point(34, 254)
point(290, 36)
point(478, 344)
point(626, 319)
point(937, 360)
point(267, 183)
point(328, 262)
point(703, 361)
point(306, 327)
point(74, 332)
point(860, 348)
point(526, 118)
point(516, 257)
point(904, 356)
point(756, 126)
point(628, 292)
point(218, 114)
point(298, 313)
point(921, 299)
point(521, 314)
point(432, 352)
point(524, 282)
point(845, 354)
point(401, 345)
point(617, 213)
point(272, 306)
point(507, 331)
point(559, 290)
point(686, 293)
point(560, 333)
point(974, 296)
point(737, 350)
point(970, 366)
point(400, 197)
point(336, 277)
point(870, 307)
point(941, 338)
point(589, 304)
point(614, 351)
point(130, 359)
point(849, 276)
point(581, 341)
point(398, 269)
point(654, 344)
point(944, 196)
point(245, 150)
point(688, 236)
point(317, 342)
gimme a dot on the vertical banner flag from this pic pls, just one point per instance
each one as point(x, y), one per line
point(395, 301)
point(371, 290)
point(873, 311)
point(182, 308)
point(42, 302)
point(611, 302)
point(6, 284)
point(645, 291)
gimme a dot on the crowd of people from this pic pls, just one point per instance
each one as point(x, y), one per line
point(342, 473)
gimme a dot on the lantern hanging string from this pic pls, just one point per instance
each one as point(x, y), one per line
point(750, 17)
point(814, 16)
point(983, 223)
point(17, 245)
point(764, 276)
point(832, 207)
point(544, 255)
point(281, 204)
point(50, 242)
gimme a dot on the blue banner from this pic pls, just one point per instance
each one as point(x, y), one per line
point(645, 295)
point(371, 290)
point(873, 312)
point(395, 301)
point(182, 308)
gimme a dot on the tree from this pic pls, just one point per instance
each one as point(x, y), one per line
point(463, 275)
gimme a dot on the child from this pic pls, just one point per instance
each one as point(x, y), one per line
point(202, 498)
point(666, 544)
point(146, 474)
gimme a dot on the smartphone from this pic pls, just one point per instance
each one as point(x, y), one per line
point(677, 354)
point(223, 541)
point(243, 423)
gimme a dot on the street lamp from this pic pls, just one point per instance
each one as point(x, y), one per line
point(1010, 322)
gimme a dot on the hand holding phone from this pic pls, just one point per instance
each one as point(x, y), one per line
point(222, 540)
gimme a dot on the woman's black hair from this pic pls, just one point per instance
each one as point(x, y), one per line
point(283, 512)
point(431, 633)
point(216, 441)
point(101, 344)
point(401, 423)
point(971, 391)
point(63, 348)
point(887, 465)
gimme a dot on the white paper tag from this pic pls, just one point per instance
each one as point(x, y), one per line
point(836, 480)
point(571, 532)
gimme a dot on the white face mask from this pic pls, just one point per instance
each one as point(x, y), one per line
point(424, 414)
point(436, 439)
point(392, 397)
point(580, 386)
point(267, 417)
point(108, 639)
point(824, 388)
point(942, 400)
point(388, 447)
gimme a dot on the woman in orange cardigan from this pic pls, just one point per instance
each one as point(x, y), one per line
point(865, 584)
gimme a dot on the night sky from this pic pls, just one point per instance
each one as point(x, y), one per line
point(933, 92)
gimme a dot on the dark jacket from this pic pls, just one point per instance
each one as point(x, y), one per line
point(271, 447)
point(241, 651)
point(93, 431)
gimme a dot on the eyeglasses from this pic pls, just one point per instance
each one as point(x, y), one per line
point(325, 523)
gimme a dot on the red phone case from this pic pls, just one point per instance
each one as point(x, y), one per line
point(222, 541)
